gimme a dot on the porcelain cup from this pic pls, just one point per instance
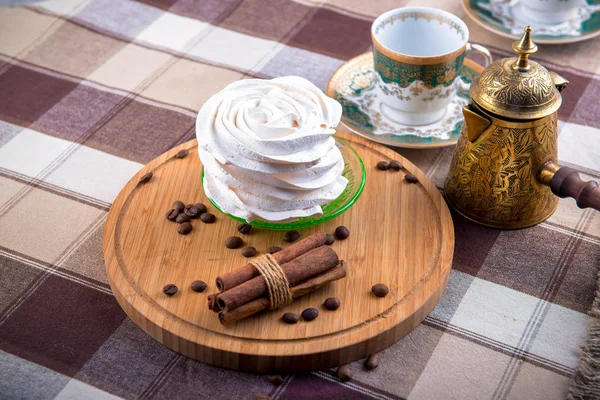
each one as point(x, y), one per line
point(549, 12)
point(418, 54)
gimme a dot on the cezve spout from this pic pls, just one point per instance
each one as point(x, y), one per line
point(476, 123)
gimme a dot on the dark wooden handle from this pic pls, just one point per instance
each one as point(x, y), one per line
point(566, 182)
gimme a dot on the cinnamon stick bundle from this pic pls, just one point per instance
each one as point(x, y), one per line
point(263, 303)
point(247, 272)
point(297, 270)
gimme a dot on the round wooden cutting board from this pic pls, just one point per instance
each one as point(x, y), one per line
point(401, 234)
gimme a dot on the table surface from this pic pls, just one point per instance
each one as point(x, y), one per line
point(92, 90)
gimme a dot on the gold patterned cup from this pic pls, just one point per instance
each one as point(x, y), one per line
point(549, 12)
point(418, 53)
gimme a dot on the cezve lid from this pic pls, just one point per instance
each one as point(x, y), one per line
point(516, 87)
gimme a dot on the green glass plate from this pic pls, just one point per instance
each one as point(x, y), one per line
point(354, 171)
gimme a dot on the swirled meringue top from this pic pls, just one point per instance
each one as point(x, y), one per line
point(268, 151)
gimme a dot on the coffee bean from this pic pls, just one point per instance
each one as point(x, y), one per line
point(184, 228)
point(291, 236)
point(182, 153)
point(179, 206)
point(181, 218)
point(198, 286)
point(372, 361)
point(146, 178)
point(309, 314)
point(380, 290)
point(383, 165)
point(234, 242)
point(290, 318)
point(244, 228)
point(201, 207)
point(208, 218)
point(192, 211)
point(410, 178)
point(332, 303)
point(274, 249)
point(172, 215)
point(344, 373)
point(341, 232)
point(275, 379)
point(262, 396)
point(170, 289)
point(395, 165)
point(249, 251)
point(330, 239)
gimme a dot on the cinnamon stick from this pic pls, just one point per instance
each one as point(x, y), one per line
point(263, 303)
point(247, 272)
point(212, 302)
point(301, 268)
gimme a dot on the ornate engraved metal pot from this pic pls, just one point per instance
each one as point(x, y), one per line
point(504, 172)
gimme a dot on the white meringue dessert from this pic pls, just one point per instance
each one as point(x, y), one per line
point(268, 150)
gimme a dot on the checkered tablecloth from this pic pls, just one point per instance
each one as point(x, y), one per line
point(90, 90)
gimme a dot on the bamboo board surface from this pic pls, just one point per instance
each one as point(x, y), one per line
point(401, 234)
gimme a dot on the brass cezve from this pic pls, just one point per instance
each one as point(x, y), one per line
point(503, 173)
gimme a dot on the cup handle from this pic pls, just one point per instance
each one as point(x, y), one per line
point(462, 85)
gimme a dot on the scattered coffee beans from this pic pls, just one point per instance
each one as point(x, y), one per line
point(410, 178)
point(146, 178)
point(234, 242)
point(170, 289)
point(332, 303)
point(341, 232)
point(275, 379)
point(344, 373)
point(179, 206)
point(291, 236)
point(182, 153)
point(244, 228)
point(198, 286)
point(185, 228)
point(274, 249)
point(172, 215)
point(249, 251)
point(372, 361)
point(309, 314)
point(330, 239)
point(201, 207)
point(181, 218)
point(183, 214)
point(208, 218)
point(380, 290)
point(383, 165)
point(290, 318)
point(192, 211)
point(395, 165)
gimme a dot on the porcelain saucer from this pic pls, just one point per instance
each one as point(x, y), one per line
point(353, 85)
point(504, 18)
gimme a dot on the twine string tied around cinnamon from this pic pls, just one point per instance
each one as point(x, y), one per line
point(278, 286)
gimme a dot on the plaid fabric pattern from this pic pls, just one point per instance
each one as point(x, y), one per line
point(90, 90)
